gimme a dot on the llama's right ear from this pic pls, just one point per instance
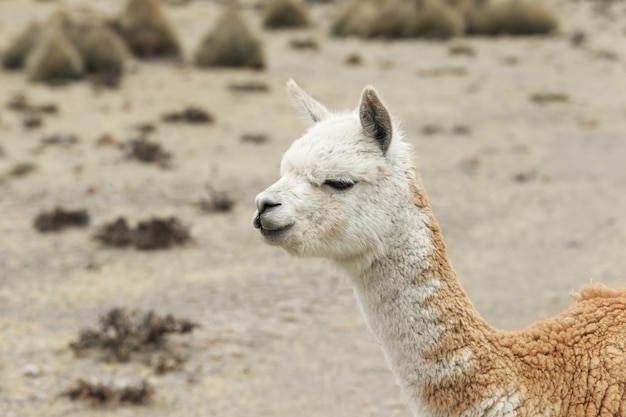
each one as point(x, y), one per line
point(308, 106)
point(375, 118)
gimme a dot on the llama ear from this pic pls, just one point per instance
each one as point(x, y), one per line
point(375, 118)
point(308, 106)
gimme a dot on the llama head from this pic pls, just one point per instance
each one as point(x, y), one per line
point(342, 183)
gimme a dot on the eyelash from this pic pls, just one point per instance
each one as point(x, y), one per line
point(340, 185)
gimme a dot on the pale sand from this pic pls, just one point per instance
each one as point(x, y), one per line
point(283, 336)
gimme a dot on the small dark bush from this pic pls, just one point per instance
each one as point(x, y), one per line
point(60, 219)
point(15, 55)
point(435, 19)
point(122, 333)
point(285, 14)
point(103, 50)
point(191, 114)
point(147, 31)
point(524, 17)
point(54, 58)
point(230, 44)
point(155, 233)
point(149, 152)
point(217, 201)
point(96, 394)
point(393, 19)
point(511, 17)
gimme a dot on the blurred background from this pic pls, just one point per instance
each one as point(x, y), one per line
point(134, 135)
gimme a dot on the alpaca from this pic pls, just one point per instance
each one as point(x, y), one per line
point(349, 192)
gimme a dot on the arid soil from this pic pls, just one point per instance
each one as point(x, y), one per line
point(521, 144)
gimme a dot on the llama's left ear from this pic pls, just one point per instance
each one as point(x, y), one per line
point(308, 106)
point(375, 118)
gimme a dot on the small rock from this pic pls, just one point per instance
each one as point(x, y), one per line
point(31, 370)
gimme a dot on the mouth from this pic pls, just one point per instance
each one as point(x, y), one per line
point(272, 232)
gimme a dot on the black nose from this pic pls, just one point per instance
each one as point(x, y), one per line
point(266, 201)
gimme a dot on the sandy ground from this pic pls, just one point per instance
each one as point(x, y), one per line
point(530, 197)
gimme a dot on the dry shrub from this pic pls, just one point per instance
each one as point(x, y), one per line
point(15, 55)
point(436, 19)
point(230, 44)
point(98, 393)
point(441, 18)
point(394, 19)
point(548, 97)
point(147, 31)
point(148, 152)
point(374, 18)
point(512, 17)
point(102, 49)
point(218, 201)
point(123, 333)
point(156, 233)
point(285, 14)
point(191, 114)
point(54, 58)
point(59, 219)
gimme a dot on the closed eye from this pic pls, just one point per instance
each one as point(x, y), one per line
point(340, 185)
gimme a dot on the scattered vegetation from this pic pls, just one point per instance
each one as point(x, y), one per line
point(191, 114)
point(146, 151)
point(394, 19)
point(354, 60)
point(103, 51)
point(147, 31)
point(22, 169)
point(522, 17)
point(304, 43)
point(54, 58)
point(15, 55)
point(285, 14)
point(59, 219)
point(256, 138)
point(549, 97)
point(230, 44)
point(123, 333)
point(249, 87)
point(443, 72)
point(99, 393)
point(462, 50)
point(20, 103)
point(152, 234)
point(217, 201)
point(59, 139)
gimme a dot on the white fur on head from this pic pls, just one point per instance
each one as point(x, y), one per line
point(310, 108)
point(341, 184)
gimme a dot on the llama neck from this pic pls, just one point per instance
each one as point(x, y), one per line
point(414, 304)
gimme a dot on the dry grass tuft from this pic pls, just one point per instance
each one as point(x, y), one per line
point(392, 19)
point(123, 333)
point(147, 31)
point(437, 20)
point(511, 17)
point(54, 58)
point(230, 44)
point(102, 49)
point(60, 219)
point(285, 14)
point(375, 19)
point(548, 97)
point(15, 55)
point(156, 233)
point(97, 393)
point(524, 17)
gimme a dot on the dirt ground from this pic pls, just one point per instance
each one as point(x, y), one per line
point(530, 196)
